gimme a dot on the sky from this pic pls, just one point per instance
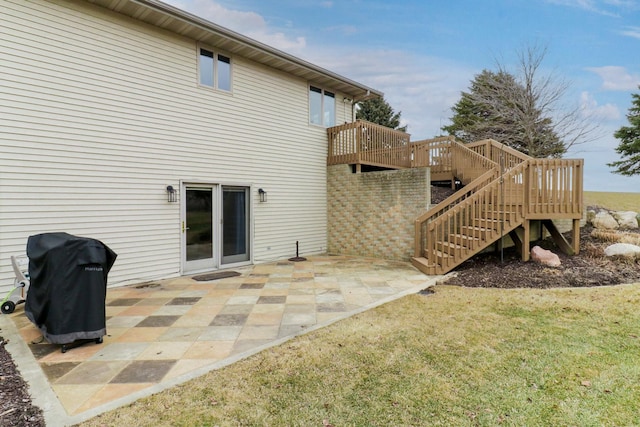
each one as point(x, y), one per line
point(423, 53)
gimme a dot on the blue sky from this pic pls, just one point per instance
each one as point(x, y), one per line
point(422, 54)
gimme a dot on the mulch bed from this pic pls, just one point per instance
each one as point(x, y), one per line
point(589, 268)
point(16, 408)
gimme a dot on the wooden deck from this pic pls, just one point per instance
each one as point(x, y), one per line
point(503, 191)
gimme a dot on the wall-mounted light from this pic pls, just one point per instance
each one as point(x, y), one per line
point(172, 194)
point(263, 195)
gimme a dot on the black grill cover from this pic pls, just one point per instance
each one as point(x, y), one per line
point(66, 298)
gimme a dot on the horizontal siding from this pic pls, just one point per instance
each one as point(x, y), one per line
point(98, 114)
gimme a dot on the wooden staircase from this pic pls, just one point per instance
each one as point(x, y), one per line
point(513, 190)
point(503, 191)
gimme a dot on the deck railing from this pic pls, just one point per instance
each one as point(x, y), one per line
point(434, 153)
point(554, 188)
point(365, 143)
point(499, 153)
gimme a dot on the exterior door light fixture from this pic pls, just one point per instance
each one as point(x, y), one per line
point(172, 194)
point(263, 195)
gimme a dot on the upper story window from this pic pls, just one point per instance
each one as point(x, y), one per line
point(322, 107)
point(214, 70)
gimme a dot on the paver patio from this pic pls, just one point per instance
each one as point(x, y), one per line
point(166, 332)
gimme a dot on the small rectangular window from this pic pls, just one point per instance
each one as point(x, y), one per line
point(329, 109)
point(315, 105)
point(322, 107)
point(214, 70)
point(206, 67)
point(224, 73)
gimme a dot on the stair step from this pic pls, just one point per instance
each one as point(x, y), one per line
point(422, 264)
point(450, 245)
point(463, 240)
point(474, 231)
point(441, 255)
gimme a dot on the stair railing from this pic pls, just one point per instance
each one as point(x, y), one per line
point(474, 170)
point(474, 223)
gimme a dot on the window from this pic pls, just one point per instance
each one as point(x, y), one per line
point(322, 107)
point(215, 70)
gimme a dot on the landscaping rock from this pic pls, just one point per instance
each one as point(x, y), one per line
point(591, 214)
point(605, 220)
point(624, 250)
point(545, 257)
point(627, 220)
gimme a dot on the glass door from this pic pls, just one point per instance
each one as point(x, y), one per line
point(199, 229)
point(235, 224)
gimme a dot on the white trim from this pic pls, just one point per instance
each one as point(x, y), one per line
point(322, 97)
point(217, 228)
point(216, 53)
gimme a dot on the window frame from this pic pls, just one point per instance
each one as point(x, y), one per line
point(324, 94)
point(216, 54)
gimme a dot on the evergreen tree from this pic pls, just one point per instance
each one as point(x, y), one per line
point(377, 110)
point(521, 110)
point(629, 137)
point(498, 107)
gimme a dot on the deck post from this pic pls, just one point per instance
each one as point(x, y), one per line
point(575, 236)
point(417, 251)
point(526, 251)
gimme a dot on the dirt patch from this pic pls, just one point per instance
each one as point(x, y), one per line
point(589, 268)
point(439, 193)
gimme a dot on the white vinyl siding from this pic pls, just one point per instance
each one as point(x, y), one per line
point(98, 114)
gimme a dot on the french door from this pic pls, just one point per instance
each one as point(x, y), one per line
point(235, 224)
point(215, 226)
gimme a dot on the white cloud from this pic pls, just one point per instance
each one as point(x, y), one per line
point(631, 32)
point(629, 4)
point(590, 6)
point(616, 78)
point(423, 88)
point(590, 108)
point(250, 24)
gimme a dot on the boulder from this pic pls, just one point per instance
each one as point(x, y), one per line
point(605, 220)
point(627, 220)
point(545, 257)
point(591, 214)
point(626, 250)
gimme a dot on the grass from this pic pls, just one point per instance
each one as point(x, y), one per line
point(615, 201)
point(461, 356)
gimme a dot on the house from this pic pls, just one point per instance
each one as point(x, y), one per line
point(182, 145)
point(186, 147)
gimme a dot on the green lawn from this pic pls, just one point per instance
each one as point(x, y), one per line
point(615, 201)
point(458, 357)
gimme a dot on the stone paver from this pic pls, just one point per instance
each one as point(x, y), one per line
point(160, 335)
